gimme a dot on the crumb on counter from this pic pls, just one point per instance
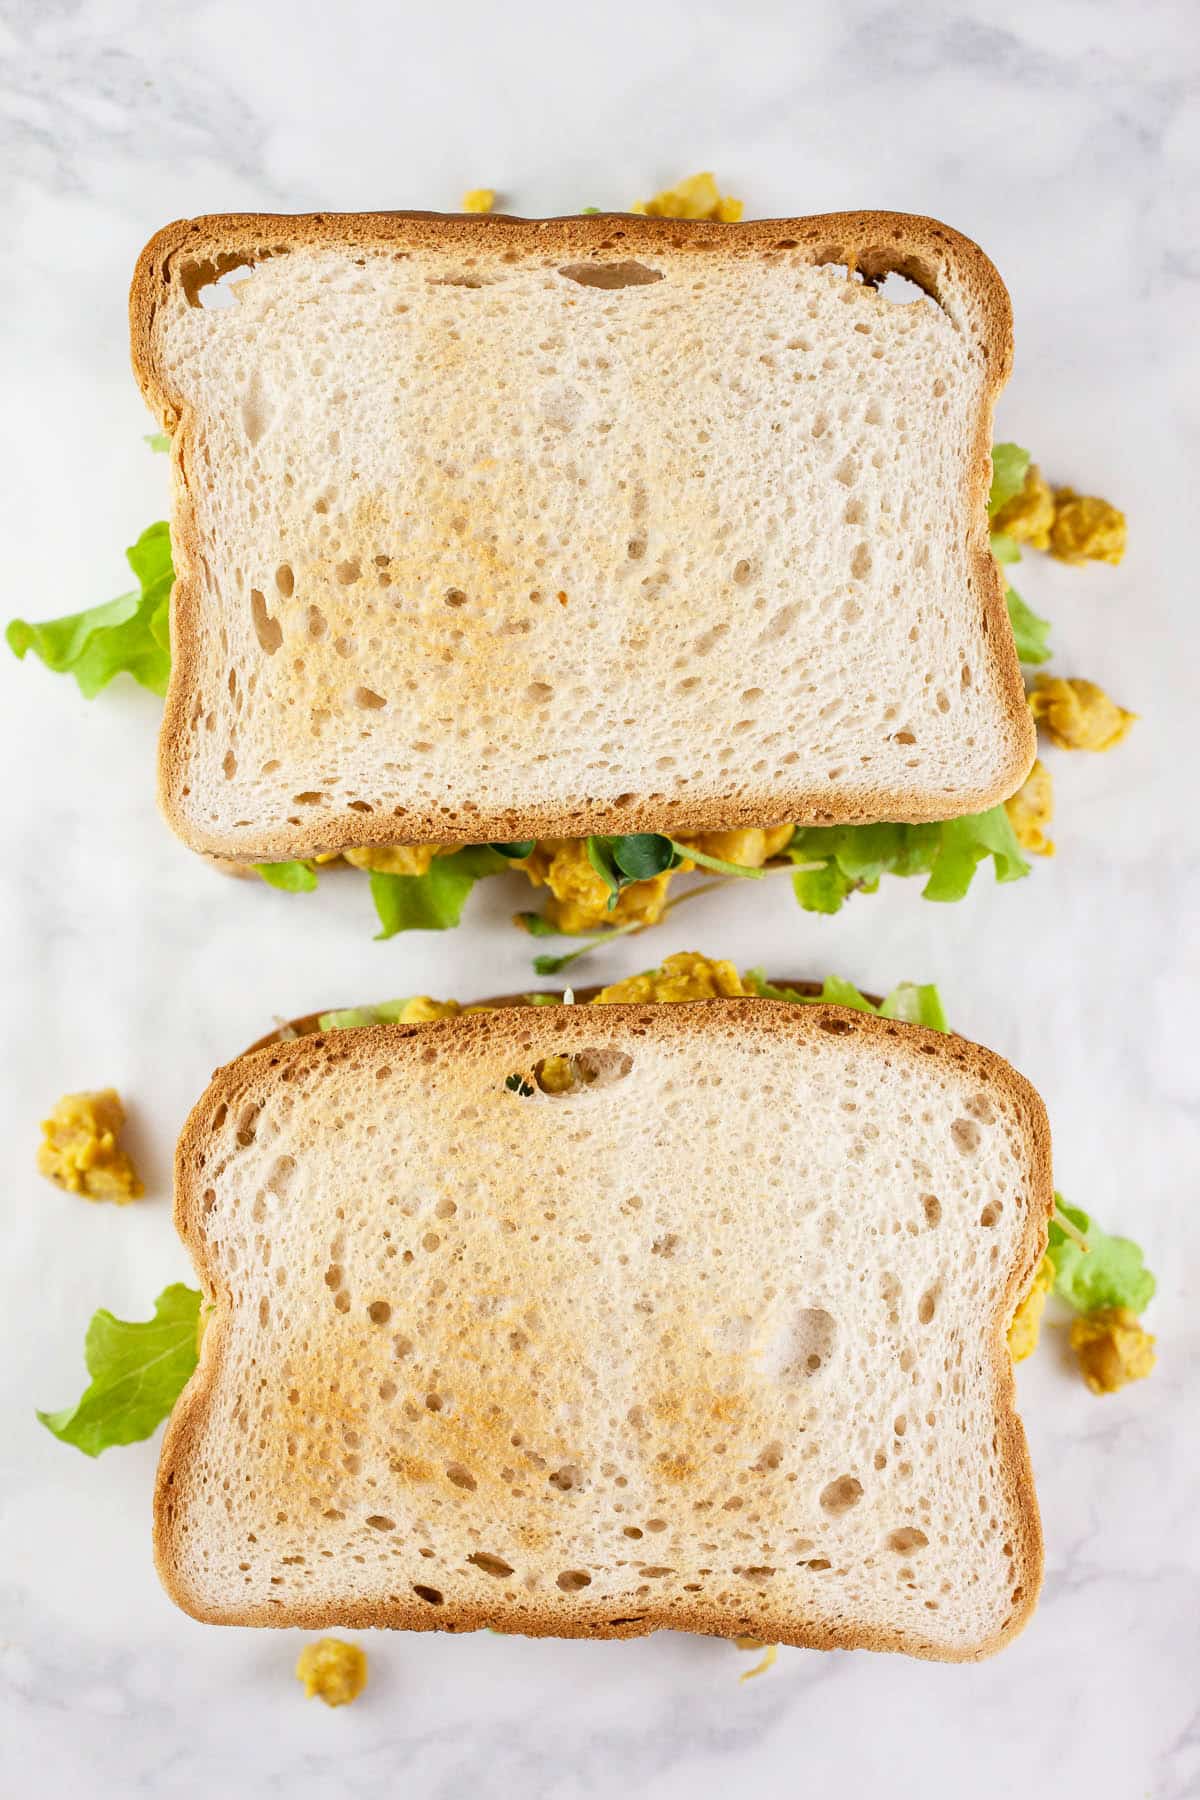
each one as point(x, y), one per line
point(695, 197)
point(1086, 529)
point(1112, 1348)
point(1073, 527)
point(79, 1149)
point(1076, 714)
point(333, 1670)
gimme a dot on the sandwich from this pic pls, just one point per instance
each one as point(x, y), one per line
point(860, 476)
point(480, 538)
point(145, 1371)
point(585, 1321)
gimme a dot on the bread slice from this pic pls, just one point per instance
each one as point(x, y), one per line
point(714, 1341)
point(492, 528)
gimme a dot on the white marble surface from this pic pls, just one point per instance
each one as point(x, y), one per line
point(1065, 136)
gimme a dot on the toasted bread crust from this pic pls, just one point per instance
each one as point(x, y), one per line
point(257, 1072)
point(948, 266)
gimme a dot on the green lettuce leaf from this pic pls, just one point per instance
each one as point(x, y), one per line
point(1031, 633)
point(129, 635)
point(351, 1017)
point(1005, 549)
point(292, 877)
point(836, 992)
point(826, 888)
point(159, 440)
point(915, 1004)
point(1009, 463)
point(1110, 1272)
point(852, 858)
point(433, 901)
point(138, 1370)
point(964, 845)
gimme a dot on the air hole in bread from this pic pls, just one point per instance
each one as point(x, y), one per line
point(571, 1580)
point(491, 1565)
point(567, 1478)
point(267, 630)
point(611, 275)
point(806, 1345)
point(900, 290)
point(991, 1213)
point(839, 1496)
point(835, 1027)
point(379, 1312)
point(927, 1304)
point(256, 412)
point(430, 1595)
point(932, 1208)
point(905, 1539)
point(569, 1073)
point(461, 1477)
point(381, 1522)
point(368, 699)
point(209, 284)
point(967, 1135)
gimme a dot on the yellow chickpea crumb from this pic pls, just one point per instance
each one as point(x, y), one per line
point(79, 1148)
point(398, 859)
point(579, 897)
point(1086, 529)
point(750, 848)
point(696, 197)
point(1029, 515)
point(479, 200)
point(1112, 1348)
point(1026, 1325)
point(685, 976)
point(1072, 527)
point(1031, 809)
point(1078, 715)
point(421, 1009)
point(558, 1075)
point(332, 1669)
